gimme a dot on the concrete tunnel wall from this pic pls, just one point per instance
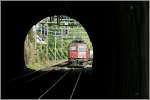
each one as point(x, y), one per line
point(118, 32)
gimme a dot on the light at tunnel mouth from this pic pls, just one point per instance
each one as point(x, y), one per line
point(57, 40)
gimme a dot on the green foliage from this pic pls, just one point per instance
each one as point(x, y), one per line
point(41, 55)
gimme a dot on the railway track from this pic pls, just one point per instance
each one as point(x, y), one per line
point(66, 87)
point(37, 72)
point(55, 84)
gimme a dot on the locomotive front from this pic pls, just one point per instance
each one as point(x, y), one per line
point(78, 53)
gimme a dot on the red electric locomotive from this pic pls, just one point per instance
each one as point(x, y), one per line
point(78, 53)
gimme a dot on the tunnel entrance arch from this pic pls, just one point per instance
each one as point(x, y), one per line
point(48, 43)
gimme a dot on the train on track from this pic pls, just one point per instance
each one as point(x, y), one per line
point(78, 53)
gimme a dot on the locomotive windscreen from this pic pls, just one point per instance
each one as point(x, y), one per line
point(82, 48)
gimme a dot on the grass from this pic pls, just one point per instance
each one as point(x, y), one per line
point(38, 66)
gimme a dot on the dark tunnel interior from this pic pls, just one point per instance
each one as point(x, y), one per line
point(119, 32)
